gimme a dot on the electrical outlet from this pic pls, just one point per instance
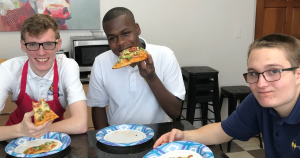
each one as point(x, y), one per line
point(237, 32)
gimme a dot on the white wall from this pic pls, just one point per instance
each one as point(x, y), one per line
point(200, 32)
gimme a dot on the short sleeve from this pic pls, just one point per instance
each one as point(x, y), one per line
point(71, 81)
point(172, 79)
point(243, 123)
point(6, 82)
point(97, 95)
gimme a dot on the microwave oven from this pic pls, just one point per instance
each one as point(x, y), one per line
point(84, 50)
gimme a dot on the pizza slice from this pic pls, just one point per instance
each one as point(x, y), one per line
point(131, 55)
point(42, 112)
point(48, 146)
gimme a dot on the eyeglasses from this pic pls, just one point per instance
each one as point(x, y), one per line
point(269, 75)
point(36, 46)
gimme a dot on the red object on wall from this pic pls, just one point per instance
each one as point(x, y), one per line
point(13, 19)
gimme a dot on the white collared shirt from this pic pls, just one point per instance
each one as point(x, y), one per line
point(129, 97)
point(69, 85)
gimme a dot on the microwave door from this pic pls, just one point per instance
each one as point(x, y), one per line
point(85, 55)
point(90, 43)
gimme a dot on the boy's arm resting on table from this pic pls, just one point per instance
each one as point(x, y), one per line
point(97, 96)
point(208, 135)
point(99, 117)
point(25, 128)
point(9, 132)
point(77, 123)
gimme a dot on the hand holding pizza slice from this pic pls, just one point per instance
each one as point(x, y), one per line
point(42, 112)
point(130, 56)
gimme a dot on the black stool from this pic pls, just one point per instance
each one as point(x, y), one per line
point(202, 87)
point(235, 93)
point(202, 97)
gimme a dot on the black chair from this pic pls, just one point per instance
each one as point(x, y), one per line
point(204, 98)
point(201, 83)
point(202, 87)
point(235, 93)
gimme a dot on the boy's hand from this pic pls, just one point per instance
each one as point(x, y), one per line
point(174, 135)
point(27, 128)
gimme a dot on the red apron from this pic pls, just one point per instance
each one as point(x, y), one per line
point(24, 102)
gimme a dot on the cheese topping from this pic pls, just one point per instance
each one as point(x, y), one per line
point(39, 111)
point(40, 147)
point(126, 54)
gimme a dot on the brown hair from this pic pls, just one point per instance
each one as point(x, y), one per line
point(289, 44)
point(38, 24)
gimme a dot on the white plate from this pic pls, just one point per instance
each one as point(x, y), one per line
point(19, 145)
point(176, 148)
point(181, 153)
point(124, 135)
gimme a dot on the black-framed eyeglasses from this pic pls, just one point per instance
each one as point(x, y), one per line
point(269, 75)
point(36, 46)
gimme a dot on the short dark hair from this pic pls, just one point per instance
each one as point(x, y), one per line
point(289, 44)
point(38, 24)
point(116, 12)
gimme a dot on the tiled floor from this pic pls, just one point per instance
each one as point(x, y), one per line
point(249, 149)
point(239, 149)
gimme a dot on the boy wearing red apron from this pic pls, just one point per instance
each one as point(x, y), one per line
point(42, 74)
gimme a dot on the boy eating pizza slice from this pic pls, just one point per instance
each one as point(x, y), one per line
point(130, 56)
point(42, 112)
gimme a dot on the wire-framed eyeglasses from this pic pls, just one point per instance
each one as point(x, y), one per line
point(269, 75)
point(33, 46)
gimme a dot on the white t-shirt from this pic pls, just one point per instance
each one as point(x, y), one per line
point(129, 97)
point(69, 85)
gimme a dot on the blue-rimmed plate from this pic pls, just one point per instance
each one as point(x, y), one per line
point(180, 149)
point(124, 135)
point(19, 145)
